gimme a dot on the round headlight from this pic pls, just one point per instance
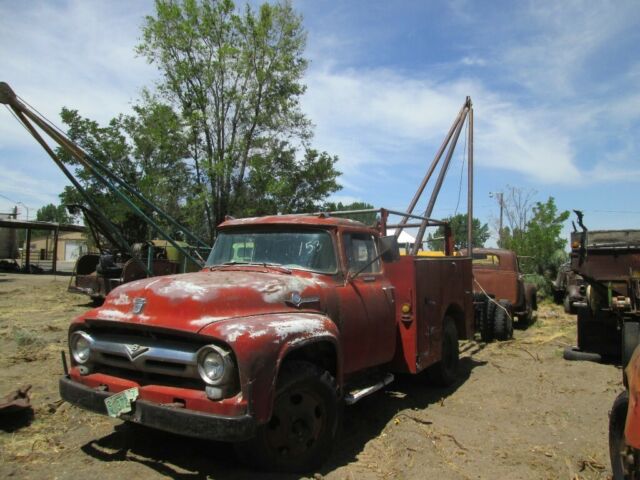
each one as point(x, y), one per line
point(80, 347)
point(214, 364)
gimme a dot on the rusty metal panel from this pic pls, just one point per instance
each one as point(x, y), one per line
point(606, 265)
point(443, 286)
point(501, 279)
point(402, 275)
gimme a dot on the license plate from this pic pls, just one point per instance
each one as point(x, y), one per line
point(121, 402)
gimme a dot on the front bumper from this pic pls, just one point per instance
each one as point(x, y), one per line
point(171, 419)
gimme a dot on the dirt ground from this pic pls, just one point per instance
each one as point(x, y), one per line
point(519, 411)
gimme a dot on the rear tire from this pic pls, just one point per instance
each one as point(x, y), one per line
point(486, 328)
point(303, 425)
point(445, 372)
point(503, 321)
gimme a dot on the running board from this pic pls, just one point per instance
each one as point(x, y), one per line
point(357, 395)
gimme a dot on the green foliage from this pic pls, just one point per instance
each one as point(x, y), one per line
point(53, 213)
point(278, 182)
point(540, 245)
point(236, 79)
point(146, 149)
point(458, 225)
point(366, 218)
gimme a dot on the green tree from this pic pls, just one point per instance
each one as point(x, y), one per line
point(458, 225)
point(280, 183)
point(146, 149)
point(53, 213)
point(540, 244)
point(236, 78)
point(366, 218)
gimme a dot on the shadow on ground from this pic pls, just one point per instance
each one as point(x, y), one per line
point(184, 458)
point(15, 420)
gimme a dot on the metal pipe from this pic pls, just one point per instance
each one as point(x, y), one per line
point(440, 180)
point(470, 181)
point(71, 178)
point(79, 155)
point(416, 225)
point(8, 96)
point(377, 210)
point(432, 167)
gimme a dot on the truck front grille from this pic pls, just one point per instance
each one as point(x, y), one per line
point(145, 359)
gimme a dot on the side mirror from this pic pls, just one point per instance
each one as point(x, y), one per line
point(390, 252)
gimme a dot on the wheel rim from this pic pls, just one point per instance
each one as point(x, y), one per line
point(298, 420)
point(627, 459)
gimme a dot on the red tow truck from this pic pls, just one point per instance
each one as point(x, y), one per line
point(262, 349)
point(291, 317)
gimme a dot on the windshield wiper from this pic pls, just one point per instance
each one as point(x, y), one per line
point(278, 266)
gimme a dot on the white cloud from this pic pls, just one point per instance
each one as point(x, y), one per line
point(364, 116)
point(78, 55)
point(31, 190)
point(554, 55)
point(473, 61)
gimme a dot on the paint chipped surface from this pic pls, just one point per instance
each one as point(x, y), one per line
point(184, 289)
point(111, 314)
point(190, 302)
point(206, 320)
point(291, 325)
point(121, 299)
point(301, 326)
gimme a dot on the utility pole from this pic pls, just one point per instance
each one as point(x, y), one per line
point(499, 196)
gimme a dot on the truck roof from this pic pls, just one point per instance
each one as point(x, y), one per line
point(608, 238)
point(312, 220)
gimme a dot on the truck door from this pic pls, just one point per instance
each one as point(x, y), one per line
point(367, 310)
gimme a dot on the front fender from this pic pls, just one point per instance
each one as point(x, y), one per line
point(261, 342)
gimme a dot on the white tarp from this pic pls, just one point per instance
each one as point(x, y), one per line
point(404, 236)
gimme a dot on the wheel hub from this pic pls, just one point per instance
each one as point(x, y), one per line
point(297, 422)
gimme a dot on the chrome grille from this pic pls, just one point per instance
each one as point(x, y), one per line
point(144, 355)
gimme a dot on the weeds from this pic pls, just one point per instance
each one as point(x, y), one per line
point(27, 338)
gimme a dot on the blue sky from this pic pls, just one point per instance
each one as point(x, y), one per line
point(556, 89)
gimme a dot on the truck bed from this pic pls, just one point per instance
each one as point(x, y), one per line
point(434, 287)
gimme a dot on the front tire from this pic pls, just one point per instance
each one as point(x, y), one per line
point(621, 455)
point(445, 372)
point(303, 425)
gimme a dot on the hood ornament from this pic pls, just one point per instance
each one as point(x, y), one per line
point(138, 305)
point(135, 350)
point(298, 300)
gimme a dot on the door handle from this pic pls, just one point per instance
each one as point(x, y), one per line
point(390, 292)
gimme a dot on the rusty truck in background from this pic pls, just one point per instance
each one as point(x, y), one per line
point(608, 323)
point(569, 289)
point(496, 274)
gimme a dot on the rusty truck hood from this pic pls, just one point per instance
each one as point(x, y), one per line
point(189, 302)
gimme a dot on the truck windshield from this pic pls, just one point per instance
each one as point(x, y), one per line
point(307, 250)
